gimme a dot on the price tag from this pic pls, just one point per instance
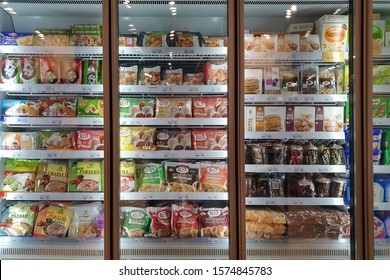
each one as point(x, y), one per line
point(172, 122)
point(212, 240)
point(14, 196)
point(188, 51)
point(55, 121)
point(45, 240)
point(248, 201)
point(298, 169)
point(182, 196)
point(299, 202)
point(94, 155)
point(271, 98)
point(212, 197)
point(51, 155)
point(44, 197)
point(166, 240)
point(87, 197)
point(380, 241)
point(16, 239)
point(266, 136)
point(80, 240)
point(199, 155)
point(249, 99)
point(21, 120)
point(16, 154)
point(97, 121)
point(46, 89)
point(139, 240)
point(308, 98)
point(156, 51)
point(167, 89)
point(297, 136)
point(167, 155)
point(272, 169)
point(259, 240)
point(270, 202)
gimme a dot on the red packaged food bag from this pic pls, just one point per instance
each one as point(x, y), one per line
point(161, 221)
point(214, 222)
point(209, 107)
point(50, 70)
point(209, 139)
point(71, 71)
point(184, 222)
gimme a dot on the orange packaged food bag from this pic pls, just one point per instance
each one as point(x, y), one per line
point(52, 221)
point(213, 177)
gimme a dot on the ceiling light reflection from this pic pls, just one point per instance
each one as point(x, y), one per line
point(294, 8)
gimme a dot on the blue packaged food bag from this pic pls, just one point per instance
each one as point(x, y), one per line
point(347, 193)
point(376, 139)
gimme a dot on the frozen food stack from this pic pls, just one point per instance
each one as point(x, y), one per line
point(265, 223)
point(333, 32)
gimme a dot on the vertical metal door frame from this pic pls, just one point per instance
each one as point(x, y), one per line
point(111, 130)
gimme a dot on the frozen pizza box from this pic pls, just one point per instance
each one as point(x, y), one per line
point(275, 119)
point(304, 119)
point(253, 81)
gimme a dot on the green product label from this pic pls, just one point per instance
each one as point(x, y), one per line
point(377, 32)
point(136, 222)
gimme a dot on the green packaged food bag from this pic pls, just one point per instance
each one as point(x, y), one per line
point(136, 222)
point(150, 178)
point(85, 176)
point(19, 175)
point(380, 107)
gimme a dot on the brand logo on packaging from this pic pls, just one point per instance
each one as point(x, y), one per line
point(163, 136)
point(149, 170)
point(214, 213)
point(137, 215)
point(124, 104)
point(164, 214)
point(200, 104)
point(84, 136)
point(185, 214)
point(182, 169)
point(213, 170)
point(200, 137)
point(125, 132)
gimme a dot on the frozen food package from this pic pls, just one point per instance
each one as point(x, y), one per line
point(16, 39)
point(274, 118)
point(136, 222)
point(376, 157)
point(17, 218)
point(310, 154)
point(182, 176)
point(50, 70)
point(19, 141)
point(253, 81)
point(279, 151)
point(289, 79)
point(291, 42)
point(209, 139)
point(276, 186)
point(327, 80)
point(85, 176)
point(160, 226)
point(92, 37)
point(83, 224)
point(216, 73)
point(324, 155)
point(67, 107)
point(92, 72)
point(50, 140)
point(137, 138)
point(194, 79)
point(213, 177)
point(379, 191)
point(187, 39)
point(380, 108)
point(150, 177)
point(52, 176)
point(322, 187)
point(333, 119)
point(51, 37)
point(88, 139)
point(20, 175)
point(71, 71)
point(137, 107)
point(100, 224)
point(10, 71)
point(304, 119)
point(309, 43)
point(295, 154)
point(178, 107)
point(150, 76)
point(90, 108)
point(309, 79)
point(156, 39)
point(215, 41)
point(249, 42)
point(173, 77)
point(336, 155)
point(128, 40)
point(265, 223)
point(337, 187)
point(128, 74)
point(214, 222)
point(185, 222)
point(29, 70)
point(305, 188)
point(127, 171)
point(210, 107)
point(272, 80)
point(333, 31)
point(48, 107)
point(52, 220)
point(379, 228)
point(173, 139)
point(269, 43)
point(27, 108)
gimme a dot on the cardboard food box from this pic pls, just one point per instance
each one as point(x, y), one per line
point(289, 78)
point(309, 79)
point(291, 43)
point(51, 37)
point(275, 119)
point(380, 107)
point(378, 35)
point(333, 119)
point(28, 108)
point(319, 118)
point(216, 74)
point(269, 43)
point(90, 108)
point(137, 138)
point(333, 31)
point(250, 119)
point(272, 80)
point(253, 81)
point(209, 139)
point(249, 42)
point(304, 119)
point(327, 80)
point(16, 39)
point(290, 118)
point(309, 43)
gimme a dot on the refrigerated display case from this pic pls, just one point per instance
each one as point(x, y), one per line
point(379, 193)
point(52, 130)
point(295, 83)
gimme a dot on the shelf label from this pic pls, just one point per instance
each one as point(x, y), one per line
point(97, 121)
point(16, 239)
point(212, 197)
point(270, 202)
point(259, 240)
point(87, 197)
point(189, 51)
point(16, 154)
point(297, 136)
point(212, 240)
point(380, 241)
point(266, 136)
point(12, 196)
point(166, 240)
point(45, 240)
point(376, 207)
point(156, 51)
point(333, 56)
point(298, 169)
point(51, 155)
point(139, 240)
point(199, 155)
point(167, 155)
point(272, 169)
point(80, 240)
point(297, 202)
point(22, 120)
point(308, 99)
point(94, 155)
point(55, 121)
point(44, 197)
point(182, 196)
point(172, 122)
point(249, 202)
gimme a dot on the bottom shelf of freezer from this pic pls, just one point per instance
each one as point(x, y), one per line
point(382, 249)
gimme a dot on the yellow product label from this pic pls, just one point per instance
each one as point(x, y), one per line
point(333, 56)
point(335, 34)
point(137, 138)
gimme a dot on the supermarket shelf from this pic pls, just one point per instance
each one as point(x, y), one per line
point(261, 57)
point(270, 201)
point(274, 168)
point(51, 154)
point(26, 89)
point(51, 121)
point(175, 121)
point(171, 89)
point(312, 98)
point(173, 196)
point(55, 196)
point(381, 206)
point(381, 121)
point(93, 52)
point(294, 135)
point(381, 169)
point(175, 154)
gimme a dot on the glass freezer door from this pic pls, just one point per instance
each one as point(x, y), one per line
point(296, 118)
point(52, 137)
point(173, 110)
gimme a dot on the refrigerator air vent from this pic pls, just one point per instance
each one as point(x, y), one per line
point(298, 253)
point(273, 2)
point(58, 2)
point(48, 253)
point(172, 253)
point(382, 253)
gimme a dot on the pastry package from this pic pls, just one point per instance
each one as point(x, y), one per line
point(51, 37)
point(53, 220)
point(17, 218)
point(253, 81)
point(128, 40)
point(194, 79)
point(88, 139)
point(265, 223)
point(290, 43)
point(309, 79)
point(304, 119)
point(305, 188)
point(50, 70)
point(16, 39)
point(10, 71)
point(85, 176)
point(185, 222)
point(86, 35)
point(173, 139)
point(127, 171)
point(20, 175)
point(289, 80)
point(156, 39)
point(93, 108)
point(272, 80)
point(216, 74)
point(48, 107)
point(128, 74)
point(327, 80)
point(27, 108)
point(29, 70)
point(215, 41)
point(173, 77)
point(249, 42)
point(150, 177)
point(309, 43)
point(380, 108)
point(150, 76)
point(213, 177)
point(67, 108)
point(210, 107)
point(136, 107)
point(274, 118)
point(214, 222)
point(92, 72)
point(182, 176)
point(52, 176)
point(135, 222)
point(83, 224)
point(19, 140)
point(178, 107)
point(187, 39)
point(333, 119)
point(71, 71)
point(160, 226)
point(209, 139)
point(137, 138)
point(50, 140)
